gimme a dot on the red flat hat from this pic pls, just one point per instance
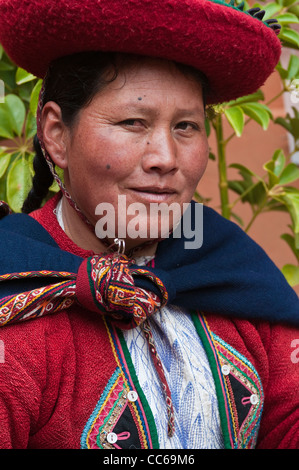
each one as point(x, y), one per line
point(236, 50)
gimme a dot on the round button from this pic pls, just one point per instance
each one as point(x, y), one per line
point(112, 437)
point(132, 395)
point(254, 399)
point(225, 369)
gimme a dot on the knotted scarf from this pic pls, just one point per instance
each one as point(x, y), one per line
point(228, 275)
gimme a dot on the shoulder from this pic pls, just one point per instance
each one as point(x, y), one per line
point(32, 343)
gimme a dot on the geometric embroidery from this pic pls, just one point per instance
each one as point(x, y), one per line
point(105, 414)
point(239, 389)
point(114, 415)
point(40, 301)
point(244, 395)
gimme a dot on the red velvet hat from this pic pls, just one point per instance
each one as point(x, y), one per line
point(236, 50)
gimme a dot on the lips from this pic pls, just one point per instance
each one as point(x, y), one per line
point(155, 190)
point(154, 193)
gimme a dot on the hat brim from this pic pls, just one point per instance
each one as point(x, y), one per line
point(235, 51)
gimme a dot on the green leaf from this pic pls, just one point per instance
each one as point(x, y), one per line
point(34, 97)
point(291, 200)
point(290, 36)
point(237, 218)
point(30, 126)
point(18, 184)
point(4, 162)
point(279, 161)
point(23, 77)
point(289, 174)
point(282, 72)
point(259, 95)
point(235, 117)
point(6, 67)
point(287, 3)
point(275, 167)
point(257, 194)
point(287, 18)
point(237, 186)
point(243, 170)
point(295, 127)
point(274, 205)
point(258, 113)
point(294, 9)
point(291, 273)
point(54, 187)
point(290, 240)
point(17, 111)
point(293, 67)
point(270, 9)
point(273, 178)
point(290, 124)
point(250, 191)
point(282, 122)
point(6, 124)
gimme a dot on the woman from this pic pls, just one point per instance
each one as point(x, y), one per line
point(142, 342)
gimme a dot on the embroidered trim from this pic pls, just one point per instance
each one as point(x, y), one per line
point(237, 384)
point(116, 414)
point(105, 414)
point(40, 301)
point(245, 433)
point(143, 414)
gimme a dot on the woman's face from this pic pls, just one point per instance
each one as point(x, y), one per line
point(142, 137)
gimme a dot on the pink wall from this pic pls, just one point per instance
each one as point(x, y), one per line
point(253, 149)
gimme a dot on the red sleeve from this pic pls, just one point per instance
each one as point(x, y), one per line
point(28, 386)
point(280, 420)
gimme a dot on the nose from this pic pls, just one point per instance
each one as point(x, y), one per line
point(160, 153)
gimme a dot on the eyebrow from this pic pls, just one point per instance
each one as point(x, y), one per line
point(188, 112)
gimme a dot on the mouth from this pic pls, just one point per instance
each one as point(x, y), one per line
point(155, 190)
point(154, 193)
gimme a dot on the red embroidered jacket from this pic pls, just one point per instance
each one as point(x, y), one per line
point(66, 378)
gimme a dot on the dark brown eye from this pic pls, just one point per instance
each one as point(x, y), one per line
point(131, 122)
point(185, 125)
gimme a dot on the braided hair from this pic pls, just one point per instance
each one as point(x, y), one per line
point(72, 82)
point(41, 181)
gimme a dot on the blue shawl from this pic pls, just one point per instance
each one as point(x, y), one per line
point(228, 275)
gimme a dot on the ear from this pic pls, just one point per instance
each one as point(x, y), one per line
point(55, 133)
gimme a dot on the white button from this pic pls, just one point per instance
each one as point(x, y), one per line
point(254, 399)
point(225, 369)
point(112, 437)
point(132, 395)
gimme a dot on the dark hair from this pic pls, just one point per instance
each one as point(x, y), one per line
point(72, 82)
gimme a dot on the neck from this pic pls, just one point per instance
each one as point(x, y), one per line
point(83, 236)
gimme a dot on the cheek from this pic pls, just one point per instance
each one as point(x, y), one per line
point(196, 165)
point(96, 160)
point(108, 153)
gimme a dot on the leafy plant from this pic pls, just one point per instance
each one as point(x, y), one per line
point(272, 190)
point(17, 129)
